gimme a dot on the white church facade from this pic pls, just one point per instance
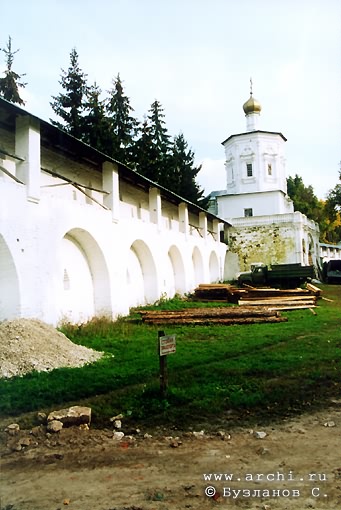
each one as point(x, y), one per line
point(265, 227)
point(82, 235)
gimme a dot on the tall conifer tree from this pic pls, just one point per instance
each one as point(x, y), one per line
point(10, 84)
point(70, 104)
point(158, 128)
point(96, 130)
point(183, 172)
point(145, 153)
point(123, 126)
point(158, 147)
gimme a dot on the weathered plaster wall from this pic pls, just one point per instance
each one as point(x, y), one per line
point(278, 239)
point(269, 244)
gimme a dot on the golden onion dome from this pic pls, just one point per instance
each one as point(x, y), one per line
point(252, 106)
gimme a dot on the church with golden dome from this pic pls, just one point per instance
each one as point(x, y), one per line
point(255, 202)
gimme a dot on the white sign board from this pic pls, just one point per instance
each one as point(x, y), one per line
point(167, 345)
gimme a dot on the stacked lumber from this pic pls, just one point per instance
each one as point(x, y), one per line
point(218, 292)
point(284, 303)
point(275, 299)
point(206, 316)
point(314, 290)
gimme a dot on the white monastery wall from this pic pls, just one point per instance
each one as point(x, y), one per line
point(69, 252)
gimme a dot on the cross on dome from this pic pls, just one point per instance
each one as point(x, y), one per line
point(251, 105)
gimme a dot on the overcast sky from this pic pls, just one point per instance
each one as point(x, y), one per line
point(196, 57)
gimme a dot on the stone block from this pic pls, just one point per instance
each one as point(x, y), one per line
point(72, 416)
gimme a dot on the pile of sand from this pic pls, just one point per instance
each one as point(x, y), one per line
point(29, 344)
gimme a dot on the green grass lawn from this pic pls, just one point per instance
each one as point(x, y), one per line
point(238, 373)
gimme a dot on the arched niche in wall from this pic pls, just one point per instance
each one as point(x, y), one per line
point(85, 288)
point(198, 266)
point(214, 267)
point(9, 284)
point(141, 275)
point(176, 278)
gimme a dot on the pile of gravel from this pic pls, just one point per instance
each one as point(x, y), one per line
point(29, 344)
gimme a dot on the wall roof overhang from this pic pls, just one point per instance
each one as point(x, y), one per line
point(56, 138)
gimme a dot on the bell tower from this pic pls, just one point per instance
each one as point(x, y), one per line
point(255, 161)
point(264, 226)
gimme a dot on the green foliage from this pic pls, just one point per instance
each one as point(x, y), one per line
point(326, 214)
point(153, 153)
point(95, 130)
point(122, 126)
point(182, 173)
point(146, 154)
point(304, 198)
point(170, 164)
point(257, 371)
point(333, 206)
point(109, 126)
point(69, 105)
point(334, 197)
point(10, 84)
point(160, 137)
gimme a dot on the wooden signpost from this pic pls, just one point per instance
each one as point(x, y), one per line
point(166, 345)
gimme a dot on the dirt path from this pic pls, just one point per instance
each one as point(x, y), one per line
point(89, 470)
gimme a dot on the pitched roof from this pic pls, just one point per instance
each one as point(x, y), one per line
point(52, 136)
point(248, 133)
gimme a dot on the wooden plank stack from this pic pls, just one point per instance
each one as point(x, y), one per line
point(206, 316)
point(218, 292)
point(256, 305)
point(278, 299)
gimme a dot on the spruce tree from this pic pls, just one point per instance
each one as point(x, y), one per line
point(182, 173)
point(158, 128)
point(145, 153)
point(10, 84)
point(96, 130)
point(70, 104)
point(154, 163)
point(123, 126)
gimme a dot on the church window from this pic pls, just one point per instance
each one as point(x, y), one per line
point(249, 169)
point(248, 212)
point(269, 169)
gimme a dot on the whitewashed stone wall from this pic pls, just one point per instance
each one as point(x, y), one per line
point(70, 252)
